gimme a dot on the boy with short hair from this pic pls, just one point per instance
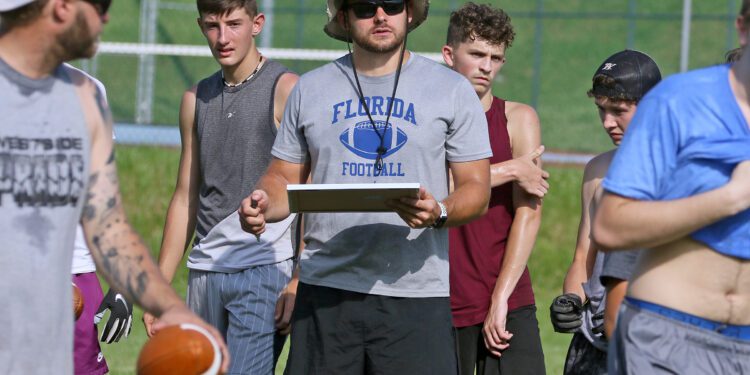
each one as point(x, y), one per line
point(492, 300)
point(598, 279)
point(228, 123)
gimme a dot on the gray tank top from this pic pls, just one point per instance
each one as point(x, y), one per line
point(236, 131)
point(44, 157)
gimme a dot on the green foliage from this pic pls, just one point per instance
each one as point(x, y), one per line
point(147, 177)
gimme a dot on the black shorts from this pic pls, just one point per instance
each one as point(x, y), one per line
point(523, 356)
point(336, 331)
point(584, 358)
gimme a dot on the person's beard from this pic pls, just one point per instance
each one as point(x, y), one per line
point(77, 42)
point(363, 41)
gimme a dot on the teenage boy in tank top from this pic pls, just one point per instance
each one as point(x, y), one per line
point(374, 290)
point(58, 168)
point(228, 123)
point(491, 296)
point(597, 278)
point(679, 187)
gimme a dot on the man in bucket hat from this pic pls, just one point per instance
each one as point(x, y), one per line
point(373, 292)
point(58, 168)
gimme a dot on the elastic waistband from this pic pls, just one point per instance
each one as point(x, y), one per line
point(729, 330)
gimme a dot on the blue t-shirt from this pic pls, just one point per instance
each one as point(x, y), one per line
point(686, 138)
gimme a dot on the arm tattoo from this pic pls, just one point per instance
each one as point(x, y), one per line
point(125, 270)
point(111, 157)
point(101, 104)
point(117, 246)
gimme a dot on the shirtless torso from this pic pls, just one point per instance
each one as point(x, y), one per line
point(695, 279)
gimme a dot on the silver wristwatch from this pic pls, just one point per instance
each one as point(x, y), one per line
point(442, 218)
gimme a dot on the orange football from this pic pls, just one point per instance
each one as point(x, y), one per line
point(184, 349)
point(77, 302)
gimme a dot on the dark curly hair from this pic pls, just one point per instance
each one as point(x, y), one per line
point(603, 80)
point(473, 21)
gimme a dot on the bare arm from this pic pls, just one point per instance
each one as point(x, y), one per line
point(271, 196)
point(523, 127)
point(616, 290)
point(624, 223)
point(525, 170)
point(284, 86)
point(117, 249)
point(285, 303)
point(119, 253)
point(471, 195)
point(467, 201)
point(179, 225)
point(585, 252)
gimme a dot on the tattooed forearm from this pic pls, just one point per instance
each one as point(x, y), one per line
point(126, 271)
point(111, 158)
point(101, 104)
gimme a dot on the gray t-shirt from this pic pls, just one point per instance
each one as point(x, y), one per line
point(44, 157)
point(619, 265)
point(436, 117)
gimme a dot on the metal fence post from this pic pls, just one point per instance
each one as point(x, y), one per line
point(631, 24)
point(145, 85)
point(732, 12)
point(536, 79)
point(687, 8)
point(266, 37)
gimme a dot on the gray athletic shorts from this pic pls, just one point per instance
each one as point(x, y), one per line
point(646, 342)
point(241, 306)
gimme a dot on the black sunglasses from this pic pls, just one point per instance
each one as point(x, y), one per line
point(102, 6)
point(367, 9)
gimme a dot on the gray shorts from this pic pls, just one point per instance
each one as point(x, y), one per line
point(241, 306)
point(646, 342)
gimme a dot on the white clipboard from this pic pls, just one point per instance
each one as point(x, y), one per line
point(347, 197)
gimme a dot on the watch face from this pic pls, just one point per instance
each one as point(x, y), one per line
point(443, 216)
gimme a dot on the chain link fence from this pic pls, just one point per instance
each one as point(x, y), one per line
point(558, 45)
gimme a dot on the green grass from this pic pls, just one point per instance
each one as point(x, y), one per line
point(147, 177)
point(576, 36)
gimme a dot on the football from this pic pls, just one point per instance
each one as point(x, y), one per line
point(364, 141)
point(77, 302)
point(184, 349)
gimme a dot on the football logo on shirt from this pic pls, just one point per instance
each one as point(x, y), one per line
point(364, 139)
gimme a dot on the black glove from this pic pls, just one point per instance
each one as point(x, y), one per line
point(120, 317)
point(566, 313)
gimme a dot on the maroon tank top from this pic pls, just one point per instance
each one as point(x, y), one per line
point(477, 248)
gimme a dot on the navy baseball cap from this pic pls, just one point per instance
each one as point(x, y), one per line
point(632, 74)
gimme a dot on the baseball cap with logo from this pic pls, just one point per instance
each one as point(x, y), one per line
point(7, 5)
point(632, 74)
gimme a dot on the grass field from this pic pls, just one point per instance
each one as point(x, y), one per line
point(576, 36)
point(147, 178)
